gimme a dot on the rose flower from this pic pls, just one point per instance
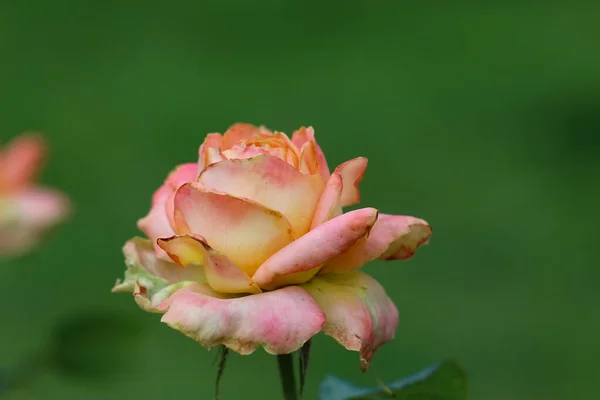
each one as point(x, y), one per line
point(249, 247)
point(27, 210)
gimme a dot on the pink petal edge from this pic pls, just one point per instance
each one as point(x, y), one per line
point(318, 246)
point(360, 315)
point(393, 237)
point(281, 321)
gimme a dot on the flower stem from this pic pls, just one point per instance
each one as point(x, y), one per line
point(286, 374)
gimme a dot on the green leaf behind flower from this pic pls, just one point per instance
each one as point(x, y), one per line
point(445, 380)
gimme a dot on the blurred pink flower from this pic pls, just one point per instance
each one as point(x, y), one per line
point(27, 210)
point(249, 247)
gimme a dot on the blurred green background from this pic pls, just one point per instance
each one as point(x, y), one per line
point(482, 119)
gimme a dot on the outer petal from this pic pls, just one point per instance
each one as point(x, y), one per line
point(21, 161)
point(280, 321)
point(329, 203)
point(221, 274)
point(271, 182)
point(393, 237)
point(152, 272)
point(27, 215)
point(329, 240)
point(158, 222)
point(360, 316)
point(246, 232)
point(303, 135)
point(352, 172)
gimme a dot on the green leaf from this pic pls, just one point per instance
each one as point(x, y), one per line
point(445, 380)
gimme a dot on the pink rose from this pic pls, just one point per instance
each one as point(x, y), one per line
point(27, 210)
point(249, 247)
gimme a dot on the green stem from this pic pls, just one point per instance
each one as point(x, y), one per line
point(286, 374)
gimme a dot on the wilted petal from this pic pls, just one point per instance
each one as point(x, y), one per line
point(303, 135)
point(152, 272)
point(360, 316)
point(318, 246)
point(246, 232)
point(149, 296)
point(271, 182)
point(352, 172)
point(393, 237)
point(21, 161)
point(281, 321)
point(221, 274)
point(329, 203)
point(159, 221)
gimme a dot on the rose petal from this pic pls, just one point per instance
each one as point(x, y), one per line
point(246, 232)
point(303, 135)
point(239, 133)
point(360, 316)
point(329, 203)
point(158, 222)
point(145, 267)
point(393, 237)
point(149, 296)
point(280, 321)
point(271, 182)
point(41, 207)
point(221, 274)
point(329, 240)
point(352, 172)
point(210, 151)
point(308, 159)
point(21, 161)
point(182, 174)
point(28, 214)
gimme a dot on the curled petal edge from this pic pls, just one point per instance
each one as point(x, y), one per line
point(280, 321)
point(360, 315)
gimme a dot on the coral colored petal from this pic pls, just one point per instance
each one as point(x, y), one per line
point(271, 182)
point(210, 151)
point(360, 315)
point(20, 162)
point(393, 237)
point(246, 232)
point(152, 272)
point(303, 135)
point(238, 133)
point(352, 172)
point(308, 159)
point(329, 203)
point(280, 321)
point(329, 240)
point(221, 274)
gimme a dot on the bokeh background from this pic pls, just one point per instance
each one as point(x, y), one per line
point(483, 119)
